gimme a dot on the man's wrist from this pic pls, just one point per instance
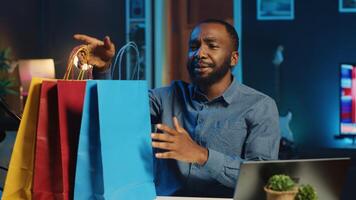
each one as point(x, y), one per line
point(103, 69)
point(202, 156)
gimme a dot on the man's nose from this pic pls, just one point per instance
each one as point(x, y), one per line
point(201, 53)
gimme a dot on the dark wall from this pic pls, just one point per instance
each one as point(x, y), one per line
point(41, 28)
point(316, 42)
point(20, 27)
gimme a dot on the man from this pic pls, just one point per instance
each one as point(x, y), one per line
point(210, 125)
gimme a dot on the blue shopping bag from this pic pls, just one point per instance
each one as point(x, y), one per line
point(115, 153)
point(89, 174)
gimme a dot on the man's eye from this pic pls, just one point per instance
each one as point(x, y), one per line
point(213, 46)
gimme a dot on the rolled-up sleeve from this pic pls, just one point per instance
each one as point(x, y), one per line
point(102, 75)
point(223, 168)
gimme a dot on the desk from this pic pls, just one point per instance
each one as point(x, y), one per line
point(189, 198)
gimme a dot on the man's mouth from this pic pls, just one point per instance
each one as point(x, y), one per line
point(201, 69)
point(203, 65)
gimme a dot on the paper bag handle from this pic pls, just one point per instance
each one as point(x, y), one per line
point(119, 56)
point(73, 62)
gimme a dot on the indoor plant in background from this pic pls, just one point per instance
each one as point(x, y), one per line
point(281, 187)
point(6, 83)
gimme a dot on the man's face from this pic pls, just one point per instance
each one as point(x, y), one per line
point(210, 54)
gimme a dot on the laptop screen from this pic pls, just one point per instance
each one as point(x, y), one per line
point(327, 176)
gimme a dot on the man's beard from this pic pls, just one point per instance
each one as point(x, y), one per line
point(215, 76)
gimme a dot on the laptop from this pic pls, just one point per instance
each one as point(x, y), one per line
point(327, 176)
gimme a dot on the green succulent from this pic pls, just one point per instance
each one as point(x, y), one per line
point(280, 182)
point(5, 87)
point(5, 59)
point(6, 83)
point(306, 192)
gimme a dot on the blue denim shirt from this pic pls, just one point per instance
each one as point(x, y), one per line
point(242, 124)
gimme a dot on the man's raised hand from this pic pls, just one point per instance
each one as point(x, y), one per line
point(178, 144)
point(100, 52)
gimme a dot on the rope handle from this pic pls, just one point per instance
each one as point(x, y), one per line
point(120, 55)
point(82, 65)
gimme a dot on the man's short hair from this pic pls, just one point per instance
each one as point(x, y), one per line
point(229, 28)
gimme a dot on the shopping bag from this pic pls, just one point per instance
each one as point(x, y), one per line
point(47, 178)
point(70, 106)
point(115, 145)
point(18, 182)
point(125, 131)
point(89, 174)
point(59, 119)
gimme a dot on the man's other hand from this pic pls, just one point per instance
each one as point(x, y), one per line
point(100, 52)
point(178, 144)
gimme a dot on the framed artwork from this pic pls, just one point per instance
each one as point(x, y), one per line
point(275, 9)
point(347, 6)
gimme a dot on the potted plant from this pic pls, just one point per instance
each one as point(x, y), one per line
point(281, 187)
point(6, 83)
point(306, 192)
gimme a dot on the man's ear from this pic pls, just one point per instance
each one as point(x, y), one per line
point(234, 58)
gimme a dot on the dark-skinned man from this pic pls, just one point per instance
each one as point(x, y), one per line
point(209, 126)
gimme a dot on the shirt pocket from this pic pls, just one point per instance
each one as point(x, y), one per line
point(230, 136)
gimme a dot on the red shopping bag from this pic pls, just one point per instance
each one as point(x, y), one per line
point(70, 106)
point(57, 133)
point(58, 127)
point(47, 178)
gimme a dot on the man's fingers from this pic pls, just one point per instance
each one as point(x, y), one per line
point(166, 155)
point(163, 145)
point(108, 44)
point(162, 137)
point(166, 129)
point(87, 39)
point(81, 58)
point(177, 125)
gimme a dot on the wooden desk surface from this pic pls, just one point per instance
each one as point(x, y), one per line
point(189, 198)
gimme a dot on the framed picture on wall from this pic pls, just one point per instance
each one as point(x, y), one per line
point(275, 9)
point(347, 6)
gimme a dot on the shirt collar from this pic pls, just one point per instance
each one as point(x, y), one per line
point(227, 96)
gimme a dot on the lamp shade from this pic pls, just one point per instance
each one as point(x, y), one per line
point(43, 68)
